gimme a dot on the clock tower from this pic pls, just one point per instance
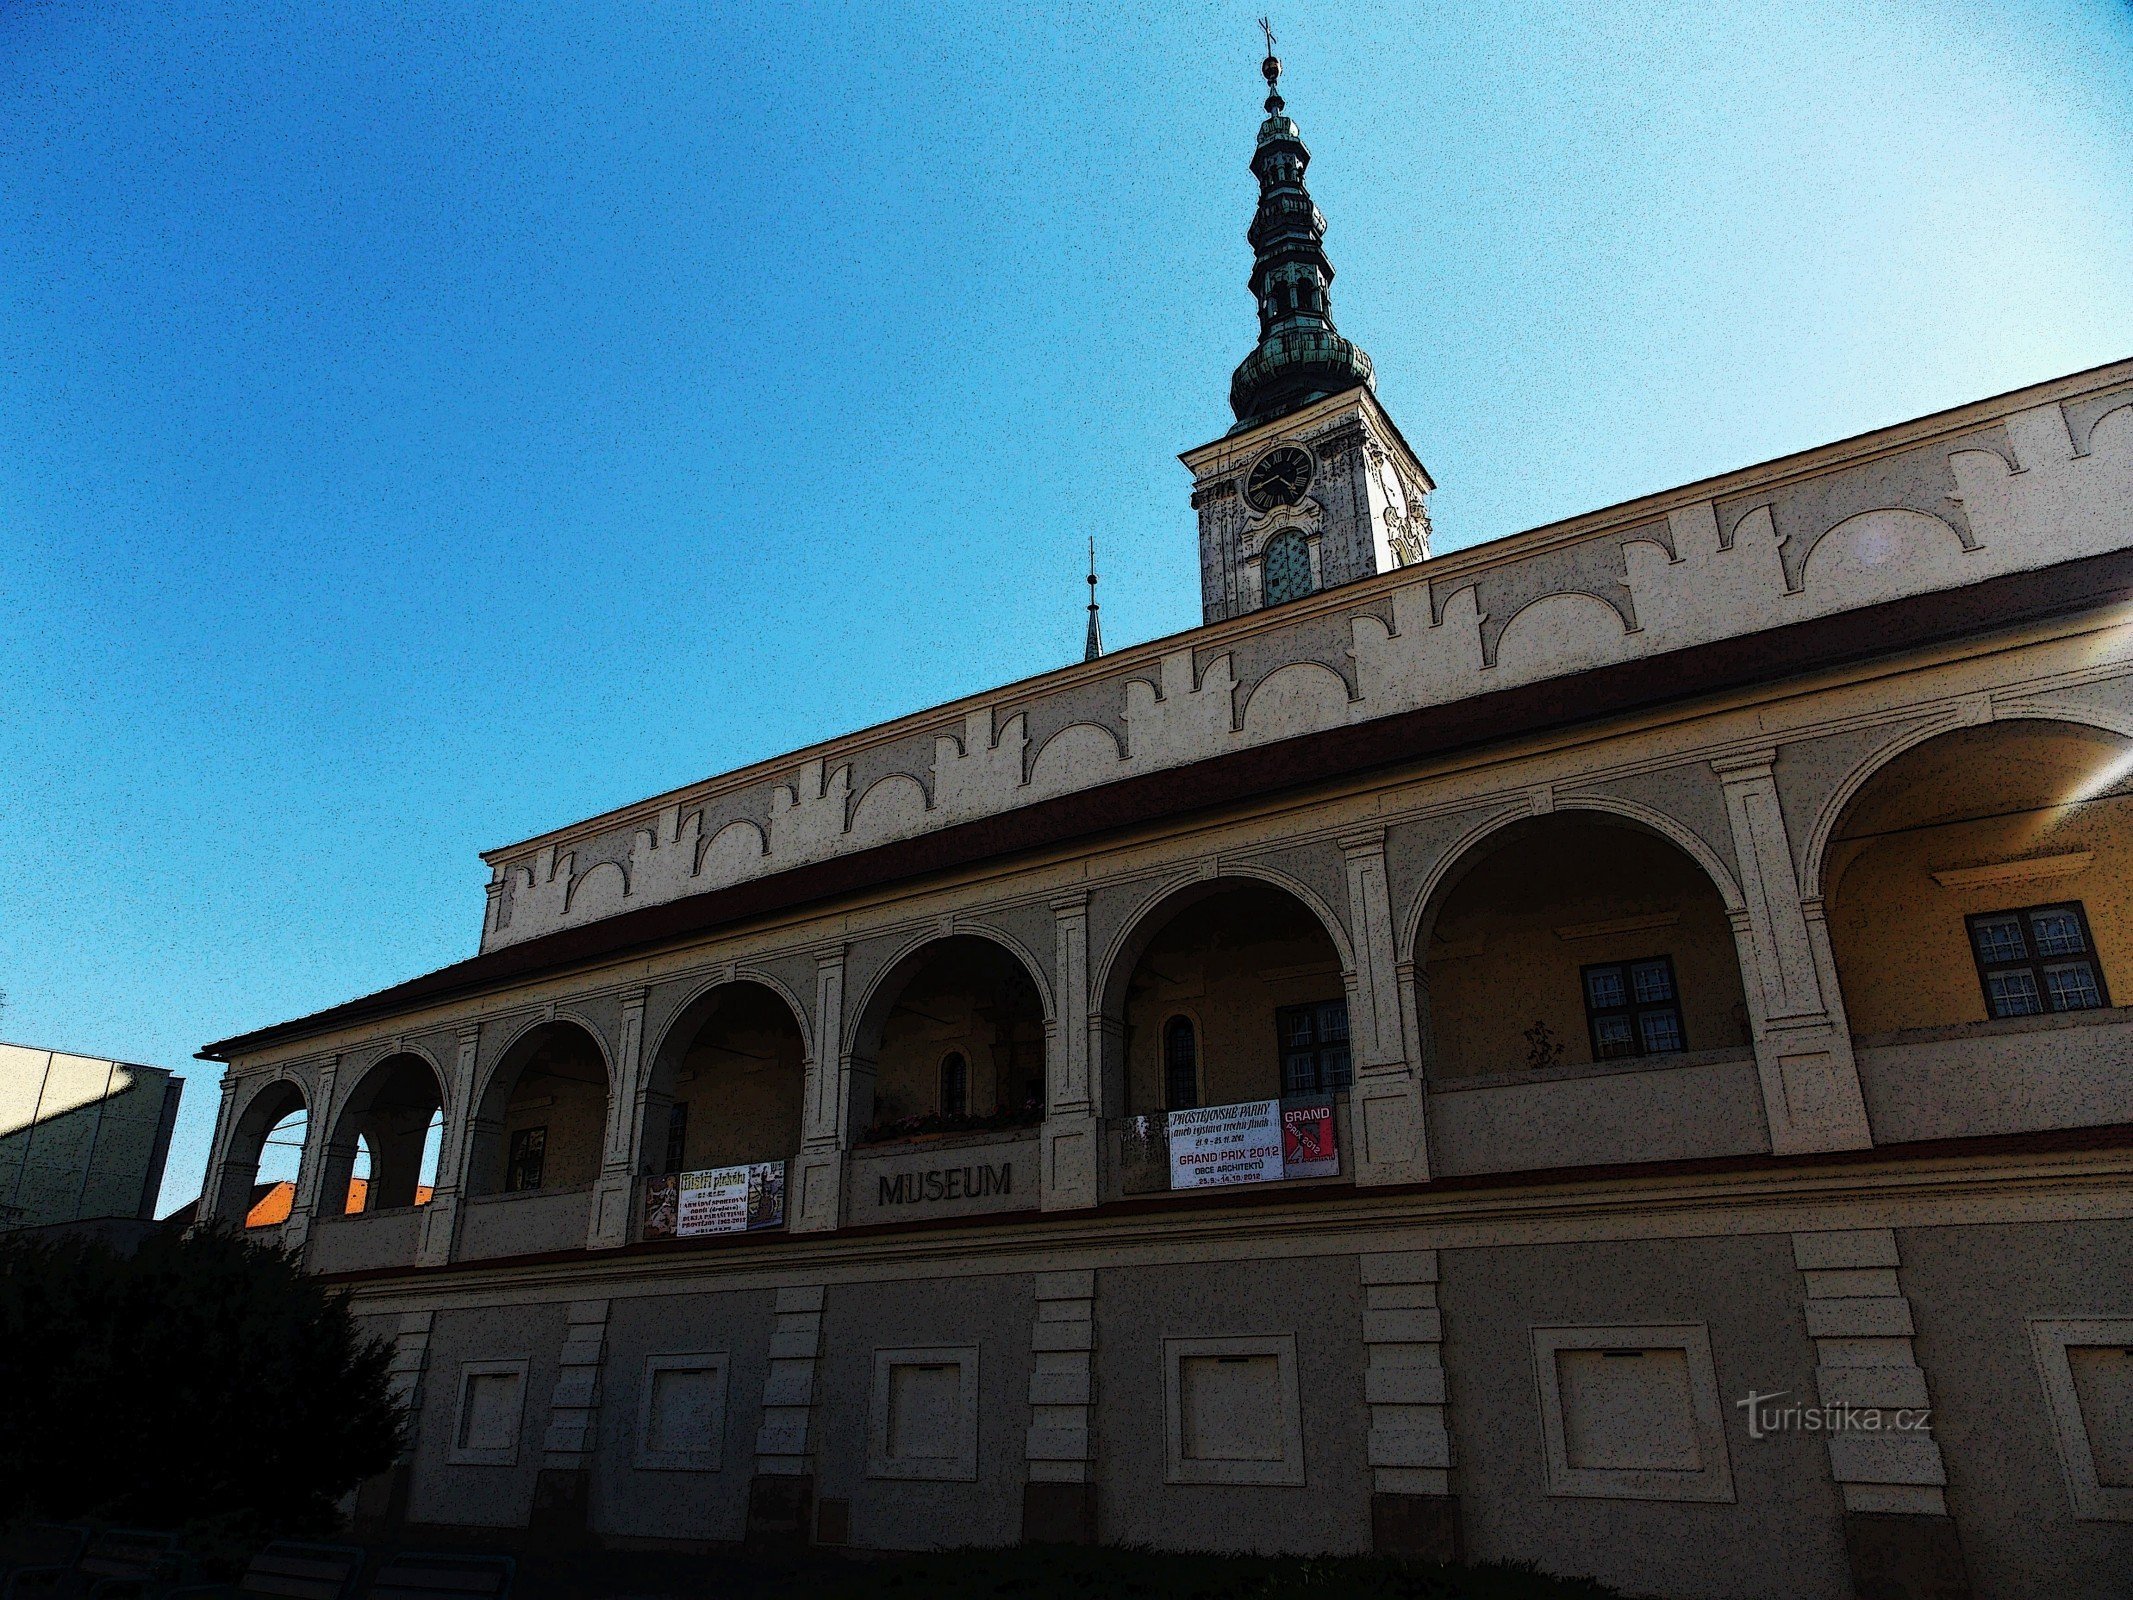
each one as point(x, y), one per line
point(1314, 486)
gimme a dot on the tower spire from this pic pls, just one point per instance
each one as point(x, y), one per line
point(1300, 358)
point(1094, 645)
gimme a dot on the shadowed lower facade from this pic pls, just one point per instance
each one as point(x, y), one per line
point(1454, 1053)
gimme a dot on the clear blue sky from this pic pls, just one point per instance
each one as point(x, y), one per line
point(419, 428)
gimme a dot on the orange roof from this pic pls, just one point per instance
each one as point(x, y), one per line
point(272, 1202)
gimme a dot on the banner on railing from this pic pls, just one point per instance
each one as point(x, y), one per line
point(680, 1205)
point(1256, 1142)
point(1214, 1145)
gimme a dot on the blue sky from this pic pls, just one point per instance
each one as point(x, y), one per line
point(420, 427)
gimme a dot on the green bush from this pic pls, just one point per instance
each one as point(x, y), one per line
point(204, 1381)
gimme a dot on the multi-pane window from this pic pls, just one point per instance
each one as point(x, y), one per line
point(677, 1135)
point(1314, 1047)
point(1288, 568)
point(2037, 959)
point(528, 1154)
point(1633, 1008)
point(955, 1085)
point(1181, 1065)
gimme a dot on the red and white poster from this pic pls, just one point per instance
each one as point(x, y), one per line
point(1309, 1146)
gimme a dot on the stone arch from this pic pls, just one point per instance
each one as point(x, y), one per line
point(1988, 819)
point(1251, 944)
point(893, 806)
point(1296, 697)
point(1074, 757)
point(969, 988)
point(734, 1058)
point(266, 1105)
point(389, 1106)
point(604, 883)
point(1413, 921)
point(1814, 858)
point(1528, 912)
point(568, 1053)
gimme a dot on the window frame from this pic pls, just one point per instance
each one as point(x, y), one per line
point(677, 1150)
point(462, 1455)
point(1302, 544)
point(709, 1457)
point(2051, 1338)
point(1164, 1065)
point(514, 1155)
point(1320, 1044)
point(962, 1062)
point(1713, 1481)
point(1631, 1008)
point(1180, 1468)
point(962, 1467)
point(2033, 963)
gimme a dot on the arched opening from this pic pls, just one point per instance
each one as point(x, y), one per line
point(393, 1118)
point(727, 1083)
point(544, 1115)
point(1231, 992)
point(964, 997)
point(1985, 875)
point(1575, 938)
point(264, 1158)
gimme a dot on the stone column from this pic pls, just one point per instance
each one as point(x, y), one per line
point(1884, 1457)
point(816, 1194)
point(1386, 1114)
point(440, 1220)
point(562, 1490)
point(1412, 1511)
point(1072, 1127)
point(616, 1190)
point(1803, 1045)
point(1059, 1497)
point(781, 1496)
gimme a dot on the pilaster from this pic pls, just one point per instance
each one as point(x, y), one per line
point(1072, 1131)
point(609, 1225)
point(1803, 1046)
point(781, 1497)
point(1059, 1497)
point(1412, 1509)
point(562, 1490)
point(1884, 1457)
point(311, 1168)
point(826, 1133)
point(440, 1218)
point(1387, 1115)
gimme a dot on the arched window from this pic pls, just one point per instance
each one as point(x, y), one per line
point(1181, 1065)
point(1288, 568)
point(955, 1085)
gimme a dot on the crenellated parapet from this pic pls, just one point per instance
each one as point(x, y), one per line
point(2030, 479)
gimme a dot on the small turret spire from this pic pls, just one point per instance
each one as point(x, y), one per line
point(1094, 646)
point(1300, 358)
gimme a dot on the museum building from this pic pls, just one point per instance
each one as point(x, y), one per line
point(1599, 1049)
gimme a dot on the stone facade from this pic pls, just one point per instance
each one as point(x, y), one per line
point(1787, 736)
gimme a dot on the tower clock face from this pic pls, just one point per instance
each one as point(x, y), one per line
point(1279, 478)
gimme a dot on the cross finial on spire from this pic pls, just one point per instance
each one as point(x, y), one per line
point(1271, 67)
point(1094, 645)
